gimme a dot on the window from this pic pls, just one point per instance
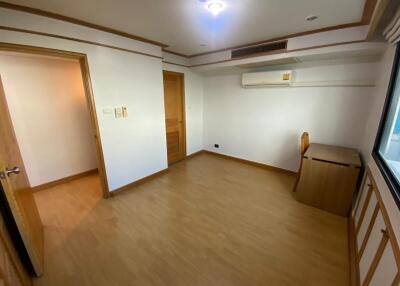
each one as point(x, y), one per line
point(387, 146)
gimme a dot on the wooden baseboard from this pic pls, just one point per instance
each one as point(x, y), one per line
point(138, 182)
point(64, 180)
point(354, 274)
point(252, 163)
point(150, 177)
point(195, 154)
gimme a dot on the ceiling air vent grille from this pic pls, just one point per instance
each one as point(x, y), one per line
point(259, 49)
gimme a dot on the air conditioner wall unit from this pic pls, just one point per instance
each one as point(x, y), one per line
point(267, 79)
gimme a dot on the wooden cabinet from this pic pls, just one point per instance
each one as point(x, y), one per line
point(375, 254)
point(328, 178)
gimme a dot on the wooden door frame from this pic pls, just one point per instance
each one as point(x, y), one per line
point(182, 75)
point(84, 65)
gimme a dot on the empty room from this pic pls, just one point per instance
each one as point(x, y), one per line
point(199, 142)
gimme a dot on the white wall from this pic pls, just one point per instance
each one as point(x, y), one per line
point(51, 120)
point(265, 124)
point(134, 147)
point(193, 107)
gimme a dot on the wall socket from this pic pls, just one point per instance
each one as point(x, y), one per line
point(216, 145)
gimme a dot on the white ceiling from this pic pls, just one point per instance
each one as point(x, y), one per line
point(184, 25)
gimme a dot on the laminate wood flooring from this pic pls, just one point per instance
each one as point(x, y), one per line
point(207, 221)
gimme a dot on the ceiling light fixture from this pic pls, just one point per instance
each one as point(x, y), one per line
point(215, 7)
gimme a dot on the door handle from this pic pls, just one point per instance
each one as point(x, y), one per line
point(11, 171)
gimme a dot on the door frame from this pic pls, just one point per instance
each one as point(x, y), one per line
point(182, 75)
point(84, 65)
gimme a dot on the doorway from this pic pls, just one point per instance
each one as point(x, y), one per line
point(15, 181)
point(82, 61)
point(175, 121)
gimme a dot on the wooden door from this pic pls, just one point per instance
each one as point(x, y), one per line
point(174, 103)
point(17, 189)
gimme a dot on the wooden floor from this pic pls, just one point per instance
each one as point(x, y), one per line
point(208, 221)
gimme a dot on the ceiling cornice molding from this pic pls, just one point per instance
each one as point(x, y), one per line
point(316, 31)
point(77, 40)
point(368, 10)
point(78, 22)
point(175, 53)
point(175, 64)
point(164, 60)
point(267, 54)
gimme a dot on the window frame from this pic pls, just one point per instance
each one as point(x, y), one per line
point(390, 178)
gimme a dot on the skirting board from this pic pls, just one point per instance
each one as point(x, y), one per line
point(195, 154)
point(150, 177)
point(252, 163)
point(64, 180)
point(138, 182)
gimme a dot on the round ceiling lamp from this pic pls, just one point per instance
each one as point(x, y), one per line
point(215, 7)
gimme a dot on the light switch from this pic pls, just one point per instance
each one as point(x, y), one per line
point(124, 111)
point(118, 112)
point(108, 111)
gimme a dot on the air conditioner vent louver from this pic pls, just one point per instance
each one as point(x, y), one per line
point(259, 49)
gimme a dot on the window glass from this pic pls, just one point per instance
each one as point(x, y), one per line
point(387, 145)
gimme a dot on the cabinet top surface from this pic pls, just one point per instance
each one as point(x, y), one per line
point(335, 154)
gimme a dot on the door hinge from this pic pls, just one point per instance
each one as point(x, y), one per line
point(2, 175)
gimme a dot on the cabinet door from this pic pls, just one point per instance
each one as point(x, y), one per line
point(11, 275)
point(371, 247)
point(361, 199)
point(376, 249)
point(365, 219)
point(386, 271)
point(12, 271)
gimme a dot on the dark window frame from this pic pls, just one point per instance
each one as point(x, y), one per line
point(390, 178)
